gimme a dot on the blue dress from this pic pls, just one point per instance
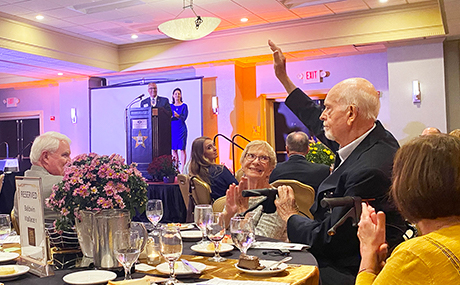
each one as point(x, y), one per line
point(178, 127)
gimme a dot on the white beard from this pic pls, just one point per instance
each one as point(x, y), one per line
point(328, 135)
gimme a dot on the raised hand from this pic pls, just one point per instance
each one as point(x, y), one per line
point(279, 64)
point(371, 234)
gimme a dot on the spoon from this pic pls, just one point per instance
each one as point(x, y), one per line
point(274, 266)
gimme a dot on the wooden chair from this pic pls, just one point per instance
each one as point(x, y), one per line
point(2, 176)
point(219, 204)
point(304, 194)
point(201, 191)
point(14, 222)
point(184, 185)
point(239, 173)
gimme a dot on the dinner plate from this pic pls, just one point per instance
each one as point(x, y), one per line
point(89, 277)
point(20, 269)
point(180, 268)
point(191, 234)
point(181, 227)
point(225, 247)
point(8, 256)
point(265, 263)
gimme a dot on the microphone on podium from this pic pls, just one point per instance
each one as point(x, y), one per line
point(134, 101)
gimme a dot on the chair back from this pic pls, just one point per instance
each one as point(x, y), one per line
point(2, 176)
point(239, 173)
point(219, 204)
point(184, 185)
point(201, 191)
point(304, 194)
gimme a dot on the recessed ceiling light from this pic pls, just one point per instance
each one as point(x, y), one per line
point(383, 1)
point(60, 73)
point(39, 17)
point(134, 36)
point(244, 20)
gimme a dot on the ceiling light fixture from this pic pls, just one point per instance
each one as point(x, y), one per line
point(39, 17)
point(134, 36)
point(186, 29)
point(244, 20)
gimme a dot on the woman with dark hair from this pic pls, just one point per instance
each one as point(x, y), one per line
point(179, 128)
point(426, 190)
point(203, 165)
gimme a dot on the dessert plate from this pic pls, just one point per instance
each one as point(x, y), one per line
point(267, 264)
point(181, 227)
point(19, 270)
point(89, 277)
point(8, 256)
point(180, 268)
point(224, 247)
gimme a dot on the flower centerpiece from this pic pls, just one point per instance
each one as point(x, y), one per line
point(95, 182)
point(319, 153)
point(163, 166)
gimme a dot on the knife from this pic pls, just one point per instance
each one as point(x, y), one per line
point(188, 265)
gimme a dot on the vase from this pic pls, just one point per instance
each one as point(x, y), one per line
point(105, 224)
point(169, 179)
point(84, 227)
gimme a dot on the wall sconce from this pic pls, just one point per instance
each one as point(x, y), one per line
point(416, 95)
point(73, 115)
point(215, 105)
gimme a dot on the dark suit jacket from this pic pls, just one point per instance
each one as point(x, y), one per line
point(162, 102)
point(365, 173)
point(298, 168)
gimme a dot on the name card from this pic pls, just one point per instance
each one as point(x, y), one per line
point(34, 244)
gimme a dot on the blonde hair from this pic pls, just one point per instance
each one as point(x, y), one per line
point(259, 144)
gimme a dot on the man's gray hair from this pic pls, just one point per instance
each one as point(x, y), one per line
point(48, 141)
point(298, 142)
point(362, 94)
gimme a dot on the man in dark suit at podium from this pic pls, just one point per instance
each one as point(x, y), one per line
point(156, 101)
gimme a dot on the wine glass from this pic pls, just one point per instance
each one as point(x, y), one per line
point(127, 245)
point(171, 248)
point(215, 230)
point(5, 226)
point(242, 231)
point(201, 215)
point(154, 211)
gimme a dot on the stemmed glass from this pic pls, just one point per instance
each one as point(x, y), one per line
point(154, 211)
point(127, 247)
point(5, 226)
point(215, 230)
point(171, 248)
point(201, 220)
point(242, 231)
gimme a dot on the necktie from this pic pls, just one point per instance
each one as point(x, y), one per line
point(154, 102)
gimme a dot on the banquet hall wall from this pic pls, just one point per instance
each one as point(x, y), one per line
point(242, 89)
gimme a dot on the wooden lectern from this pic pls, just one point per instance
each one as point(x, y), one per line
point(148, 135)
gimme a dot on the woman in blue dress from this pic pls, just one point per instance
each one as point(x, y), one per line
point(179, 128)
point(203, 164)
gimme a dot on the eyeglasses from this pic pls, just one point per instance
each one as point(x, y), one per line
point(262, 158)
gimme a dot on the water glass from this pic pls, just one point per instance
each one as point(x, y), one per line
point(5, 226)
point(242, 232)
point(201, 219)
point(171, 249)
point(154, 211)
point(127, 247)
point(215, 230)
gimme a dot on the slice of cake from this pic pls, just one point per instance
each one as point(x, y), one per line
point(249, 262)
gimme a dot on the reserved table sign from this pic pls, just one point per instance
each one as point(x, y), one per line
point(34, 242)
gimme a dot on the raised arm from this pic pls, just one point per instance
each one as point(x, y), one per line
point(279, 64)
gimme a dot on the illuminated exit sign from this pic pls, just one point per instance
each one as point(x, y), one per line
point(311, 76)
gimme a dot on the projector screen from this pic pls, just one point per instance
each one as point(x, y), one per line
point(108, 104)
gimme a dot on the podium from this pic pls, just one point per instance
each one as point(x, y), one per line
point(148, 135)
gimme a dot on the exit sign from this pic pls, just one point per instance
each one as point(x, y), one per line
point(312, 76)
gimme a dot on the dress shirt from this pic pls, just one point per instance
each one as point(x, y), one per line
point(345, 151)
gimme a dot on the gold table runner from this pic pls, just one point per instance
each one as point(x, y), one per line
point(295, 275)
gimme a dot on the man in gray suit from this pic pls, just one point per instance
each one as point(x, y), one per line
point(49, 154)
point(297, 167)
point(155, 100)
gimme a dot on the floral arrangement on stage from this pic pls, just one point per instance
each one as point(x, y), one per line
point(95, 182)
point(319, 153)
point(163, 166)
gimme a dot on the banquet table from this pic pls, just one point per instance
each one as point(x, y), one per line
point(303, 269)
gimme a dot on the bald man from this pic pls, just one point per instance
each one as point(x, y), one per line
point(430, 131)
point(364, 159)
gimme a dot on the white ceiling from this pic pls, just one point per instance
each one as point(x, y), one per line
point(114, 21)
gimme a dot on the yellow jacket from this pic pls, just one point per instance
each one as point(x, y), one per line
point(430, 259)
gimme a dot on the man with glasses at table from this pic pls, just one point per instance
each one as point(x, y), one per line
point(365, 150)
